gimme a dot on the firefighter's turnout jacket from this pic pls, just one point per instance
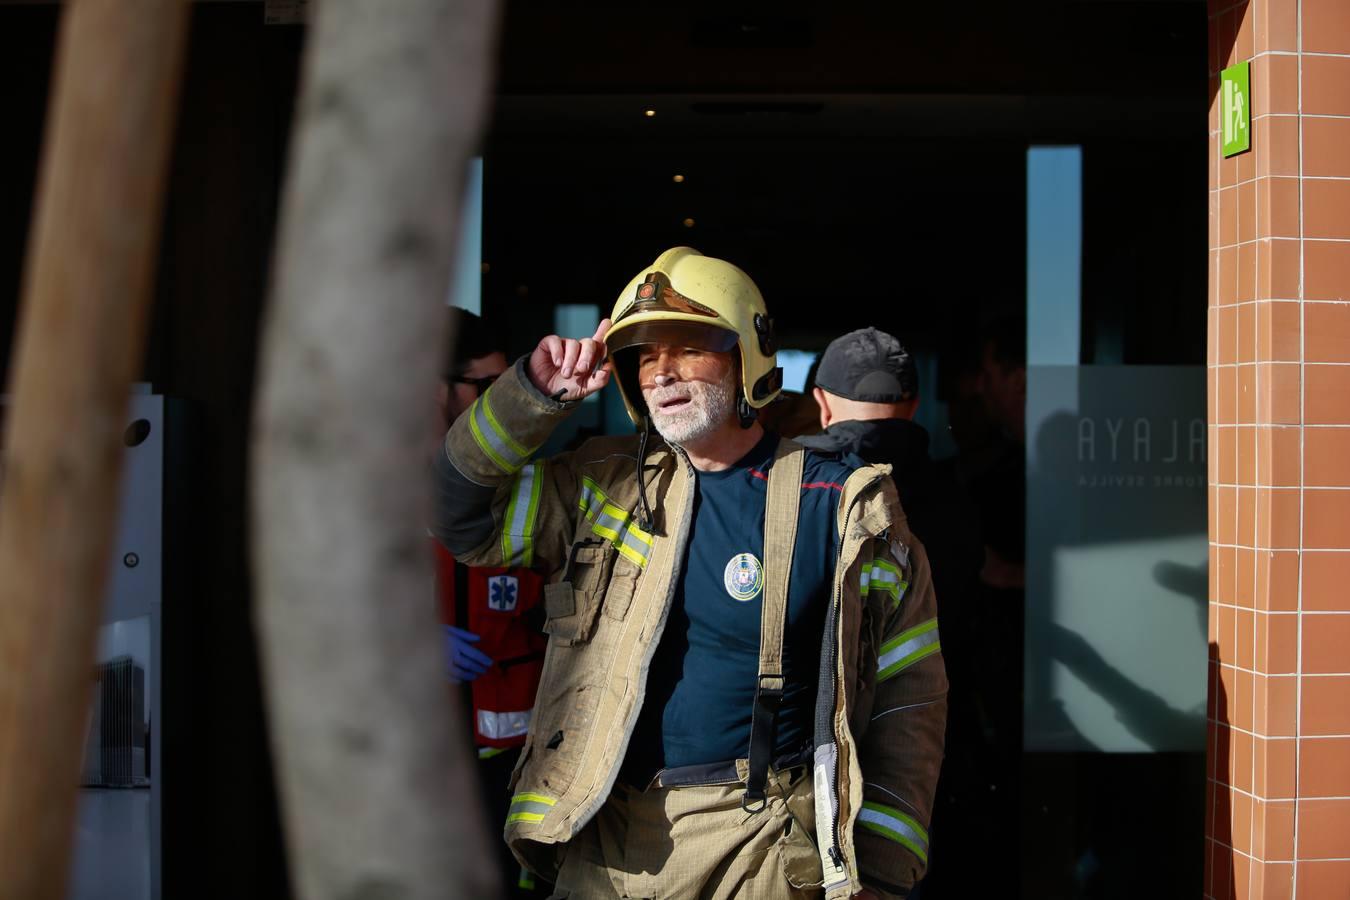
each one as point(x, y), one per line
point(881, 706)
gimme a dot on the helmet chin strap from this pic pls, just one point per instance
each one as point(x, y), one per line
point(645, 517)
point(747, 413)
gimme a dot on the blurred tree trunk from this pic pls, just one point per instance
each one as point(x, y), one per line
point(377, 782)
point(80, 344)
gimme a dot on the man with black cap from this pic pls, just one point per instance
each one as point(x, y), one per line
point(867, 387)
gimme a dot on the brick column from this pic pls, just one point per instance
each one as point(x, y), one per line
point(1278, 803)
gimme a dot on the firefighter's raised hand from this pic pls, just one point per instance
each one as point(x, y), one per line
point(577, 368)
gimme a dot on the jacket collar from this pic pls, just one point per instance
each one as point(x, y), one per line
point(897, 441)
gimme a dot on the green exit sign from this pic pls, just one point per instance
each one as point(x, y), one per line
point(1235, 95)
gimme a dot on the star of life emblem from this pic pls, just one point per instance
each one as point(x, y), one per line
point(503, 591)
point(743, 577)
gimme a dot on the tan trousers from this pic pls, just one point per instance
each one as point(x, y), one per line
point(696, 843)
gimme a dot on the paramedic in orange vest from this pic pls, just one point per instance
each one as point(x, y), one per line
point(492, 616)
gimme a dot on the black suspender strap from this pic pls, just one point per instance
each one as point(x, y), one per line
point(780, 538)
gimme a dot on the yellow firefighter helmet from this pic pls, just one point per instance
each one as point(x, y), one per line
point(690, 300)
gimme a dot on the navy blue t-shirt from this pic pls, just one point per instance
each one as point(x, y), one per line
point(701, 685)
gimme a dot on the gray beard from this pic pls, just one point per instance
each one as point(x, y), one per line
point(710, 405)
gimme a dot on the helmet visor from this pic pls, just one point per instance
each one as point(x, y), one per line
point(674, 333)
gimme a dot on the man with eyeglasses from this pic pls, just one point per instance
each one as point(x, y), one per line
point(492, 616)
point(478, 360)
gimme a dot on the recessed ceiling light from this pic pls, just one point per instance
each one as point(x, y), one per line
point(688, 223)
point(678, 179)
point(649, 113)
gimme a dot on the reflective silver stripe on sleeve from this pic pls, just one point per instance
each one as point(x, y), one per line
point(529, 807)
point(521, 511)
point(905, 650)
point(884, 576)
point(492, 439)
point(891, 823)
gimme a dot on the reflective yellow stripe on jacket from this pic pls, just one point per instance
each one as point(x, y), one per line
point(613, 524)
point(522, 510)
point(884, 576)
point(504, 451)
point(529, 807)
point(891, 823)
point(907, 648)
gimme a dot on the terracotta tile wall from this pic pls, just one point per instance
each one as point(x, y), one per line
point(1278, 797)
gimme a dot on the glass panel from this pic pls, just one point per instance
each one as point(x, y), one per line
point(1116, 558)
point(1054, 254)
point(796, 368)
point(467, 290)
point(1116, 563)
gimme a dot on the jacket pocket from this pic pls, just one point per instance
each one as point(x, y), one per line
point(797, 852)
point(573, 603)
point(622, 586)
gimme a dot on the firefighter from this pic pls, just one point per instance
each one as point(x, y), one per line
point(492, 616)
point(743, 693)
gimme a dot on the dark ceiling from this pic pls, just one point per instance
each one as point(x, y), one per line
point(865, 163)
point(1118, 47)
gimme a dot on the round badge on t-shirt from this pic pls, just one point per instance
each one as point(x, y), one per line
point(743, 577)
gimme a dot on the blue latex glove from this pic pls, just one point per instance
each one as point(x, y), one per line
point(466, 662)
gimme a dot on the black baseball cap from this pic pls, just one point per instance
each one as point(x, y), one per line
point(869, 366)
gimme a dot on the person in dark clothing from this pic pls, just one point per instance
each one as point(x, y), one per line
point(1001, 481)
point(985, 383)
point(867, 387)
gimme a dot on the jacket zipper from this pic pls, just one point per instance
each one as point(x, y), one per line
point(836, 855)
point(681, 539)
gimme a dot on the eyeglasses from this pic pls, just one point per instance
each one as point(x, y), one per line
point(480, 384)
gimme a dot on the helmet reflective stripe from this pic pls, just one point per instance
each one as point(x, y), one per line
point(529, 808)
point(687, 299)
point(904, 650)
point(883, 575)
point(492, 439)
point(521, 511)
point(891, 823)
point(613, 524)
